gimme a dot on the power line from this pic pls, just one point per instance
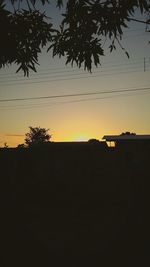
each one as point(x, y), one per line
point(61, 69)
point(47, 105)
point(75, 78)
point(73, 71)
point(136, 35)
point(74, 95)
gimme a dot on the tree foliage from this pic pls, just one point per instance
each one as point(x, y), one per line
point(93, 141)
point(37, 136)
point(24, 35)
point(80, 37)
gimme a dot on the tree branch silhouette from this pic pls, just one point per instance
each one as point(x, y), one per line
point(79, 38)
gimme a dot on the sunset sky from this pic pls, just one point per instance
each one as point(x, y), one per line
point(80, 117)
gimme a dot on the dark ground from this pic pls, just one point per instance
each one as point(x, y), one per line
point(74, 207)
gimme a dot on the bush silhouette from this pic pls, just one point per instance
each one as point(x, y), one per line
point(37, 136)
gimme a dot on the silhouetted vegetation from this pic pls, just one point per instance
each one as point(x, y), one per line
point(93, 141)
point(21, 146)
point(6, 145)
point(37, 136)
point(80, 37)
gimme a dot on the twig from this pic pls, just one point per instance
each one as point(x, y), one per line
point(140, 21)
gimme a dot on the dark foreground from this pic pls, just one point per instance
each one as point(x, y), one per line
point(74, 207)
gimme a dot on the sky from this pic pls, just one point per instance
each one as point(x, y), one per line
point(80, 117)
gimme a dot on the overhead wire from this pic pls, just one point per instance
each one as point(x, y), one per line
point(84, 76)
point(59, 70)
point(74, 95)
point(62, 70)
point(47, 105)
point(136, 35)
point(135, 64)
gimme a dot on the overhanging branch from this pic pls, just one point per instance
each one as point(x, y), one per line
point(140, 21)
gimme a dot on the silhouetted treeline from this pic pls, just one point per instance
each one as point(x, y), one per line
point(74, 206)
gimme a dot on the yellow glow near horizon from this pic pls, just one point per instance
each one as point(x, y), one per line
point(80, 121)
point(81, 138)
point(78, 133)
point(74, 136)
point(11, 141)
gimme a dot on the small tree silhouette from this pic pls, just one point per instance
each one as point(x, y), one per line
point(93, 141)
point(5, 145)
point(21, 146)
point(37, 136)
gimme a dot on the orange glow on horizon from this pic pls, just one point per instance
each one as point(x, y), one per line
point(11, 141)
point(76, 137)
point(81, 138)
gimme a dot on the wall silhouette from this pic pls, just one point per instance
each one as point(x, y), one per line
point(73, 206)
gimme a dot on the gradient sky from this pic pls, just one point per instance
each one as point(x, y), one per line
point(82, 117)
